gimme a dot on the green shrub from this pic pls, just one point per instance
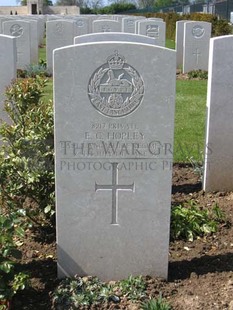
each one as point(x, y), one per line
point(189, 222)
point(26, 157)
point(219, 27)
point(32, 70)
point(198, 74)
point(11, 228)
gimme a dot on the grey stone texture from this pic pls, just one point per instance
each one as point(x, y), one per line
point(21, 31)
point(59, 33)
point(106, 25)
point(218, 172)
point(196, 46)
point(7, 67)
point(113, 36)
point(114, 124)
point(153, 29)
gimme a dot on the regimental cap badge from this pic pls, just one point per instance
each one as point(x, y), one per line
point(116, 61)
point(116, 89)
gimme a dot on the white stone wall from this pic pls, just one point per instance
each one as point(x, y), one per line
point(6, 10)
point(23, 10)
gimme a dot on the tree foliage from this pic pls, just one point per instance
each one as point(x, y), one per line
point(66, 2)
point(46, 2)
point(116, 8)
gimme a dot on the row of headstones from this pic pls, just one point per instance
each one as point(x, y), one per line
point(61, 33)
point(114, 125)
point(192, 38)
point(8, 67)
point(29, 34)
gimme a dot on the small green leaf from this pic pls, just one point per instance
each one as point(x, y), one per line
point(47, 209)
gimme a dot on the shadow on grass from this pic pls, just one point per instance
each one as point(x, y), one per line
point(181, 270)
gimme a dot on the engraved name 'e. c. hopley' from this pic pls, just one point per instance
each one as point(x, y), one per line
point(114, 187)
point(116, 89)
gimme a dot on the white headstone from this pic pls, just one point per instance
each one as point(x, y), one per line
point(128, 24)
point(114, 123)
point(179, 42)
point(34, 40)
point(153, 29)
point(7, 67)
point(82, 26)
point(113, 36)
point(21, 30)
point(218, 174)
point(59, 33)
point(196, 46)
point(2, 20)
point(106, 26)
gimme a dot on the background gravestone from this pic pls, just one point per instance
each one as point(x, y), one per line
point(2, 20)
point(7, 67)
point(153, 29)
point(128, 23)
point(34, 40)
point(21, 31)
point(179, 42)
point(58, 33)
point(113, 36)
point(106, 26)
point(114, 124)
point(218, 174)
point(82, 26)
point(196, 46)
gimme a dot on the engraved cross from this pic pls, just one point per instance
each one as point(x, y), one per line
point(106, 28)
point(197, 54)
point(114, 187)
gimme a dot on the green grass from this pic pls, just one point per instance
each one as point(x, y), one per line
point(190, 120)
point(170, 43)
point(48, 92)
point(42, 53)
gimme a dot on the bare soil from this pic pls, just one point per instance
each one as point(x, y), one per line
point(200, 272)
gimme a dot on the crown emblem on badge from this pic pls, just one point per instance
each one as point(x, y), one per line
point(116, 61)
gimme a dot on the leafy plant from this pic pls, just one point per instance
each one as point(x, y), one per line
point(198, 167)
point(156, 304)
point(198, 74)
point(132, 287)
point(26, 157)
point(33, 70)
point(87, 291)
point(72, 293)
point(189, 222)
point(11, 227)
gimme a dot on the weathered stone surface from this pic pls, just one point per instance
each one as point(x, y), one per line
point(196, 46)
point(7, 68)
point(155, 29)
point(113, 36)
point(218, 174)
point(106, 26)
point(114, 123)
point(21, 31)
